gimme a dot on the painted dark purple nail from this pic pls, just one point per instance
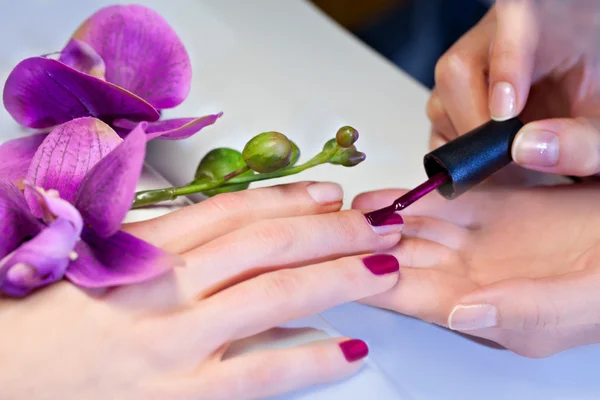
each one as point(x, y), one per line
point(354, 349)
point(389, 219)
point(381, 264)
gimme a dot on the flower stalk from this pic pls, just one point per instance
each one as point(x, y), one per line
point(329, 154)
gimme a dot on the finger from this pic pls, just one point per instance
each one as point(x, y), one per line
point(440, 121)
point(271, 299)
point(426, 294)
point(436, 140)
point(560, 146)
point(465, 210)
point(195, 225)
point(436, 230)
point(558, 309)
point(512, 57)
point(460, 78)
point(269, 373)
point(282, 243)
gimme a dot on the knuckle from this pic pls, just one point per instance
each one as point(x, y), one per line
point(275, 236)
point(324, 361)
point(538, 317)
point(263, 375)
point(351, 226)
point(435, 110)
point(352, 277)
point(451, 67)
point(282, 284)
point(224, 203)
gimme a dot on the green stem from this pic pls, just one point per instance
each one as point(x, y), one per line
point(149, 197)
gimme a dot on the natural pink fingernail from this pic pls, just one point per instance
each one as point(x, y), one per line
point(325, 192)
point(381, 264)
point(536, 148)
point(354, 349)
point(392, 223)
point(503, 103)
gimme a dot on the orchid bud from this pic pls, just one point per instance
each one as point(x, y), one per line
point(216, 164)
point(349, 157)
point(330, 145)
point(295, 154)
point(268, 152)
point(346, 136)
point(219, 162)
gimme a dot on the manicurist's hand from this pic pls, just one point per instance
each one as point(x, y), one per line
point(253, 260)
point(520, 268)
point(535, 59)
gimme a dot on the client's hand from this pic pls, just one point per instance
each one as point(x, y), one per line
point(521, 268)
point(254, 260)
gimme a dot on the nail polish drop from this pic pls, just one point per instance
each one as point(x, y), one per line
point(378, 217)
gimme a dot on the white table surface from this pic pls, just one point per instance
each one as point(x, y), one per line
point(281, 65)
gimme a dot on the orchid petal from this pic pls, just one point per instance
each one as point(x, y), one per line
point(121, 259)
point(66, 155)
point(16, 221)
point(40, 261)
point(107, 192)
point(16, 156)
point(41, 93)
point(82, 57)
point(56, 208)
point(171, 129)
point(142, 53)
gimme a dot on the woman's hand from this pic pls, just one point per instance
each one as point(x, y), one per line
point(254, 260)
point(520, 268)
point(536, 59)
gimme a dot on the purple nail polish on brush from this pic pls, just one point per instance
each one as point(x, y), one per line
point(377, 217)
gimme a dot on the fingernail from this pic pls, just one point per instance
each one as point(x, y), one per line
point(354, 349)
point(381, 264)
point(503, 104)
point(325, 192)
point(471, 317)
point(391, 223)
point(536, 147)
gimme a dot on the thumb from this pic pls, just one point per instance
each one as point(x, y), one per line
point(512, 57)
point(564, 305)
point(559, 146)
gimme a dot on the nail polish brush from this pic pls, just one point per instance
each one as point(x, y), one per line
point(461, 164)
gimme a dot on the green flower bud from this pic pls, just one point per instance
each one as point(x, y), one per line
point(216, 164)
point(349, 157)
point(330, 145)
point(219, 162)
point(268, 152)
point(295, 154)
point(346, 136)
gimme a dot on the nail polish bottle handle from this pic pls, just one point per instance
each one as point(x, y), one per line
point(473, 157)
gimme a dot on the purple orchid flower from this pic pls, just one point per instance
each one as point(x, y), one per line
point(65, 223)
point(123, 65)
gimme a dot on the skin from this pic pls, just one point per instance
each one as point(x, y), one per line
point(254, 260)
point(552, 63)
point(515, 250)
point(516, 267)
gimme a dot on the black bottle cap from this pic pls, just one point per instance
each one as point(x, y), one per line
point(473, 157)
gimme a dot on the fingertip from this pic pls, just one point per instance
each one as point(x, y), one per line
point(503, 101)
point(354, 350)
point(512, 59)
point(325, 193)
